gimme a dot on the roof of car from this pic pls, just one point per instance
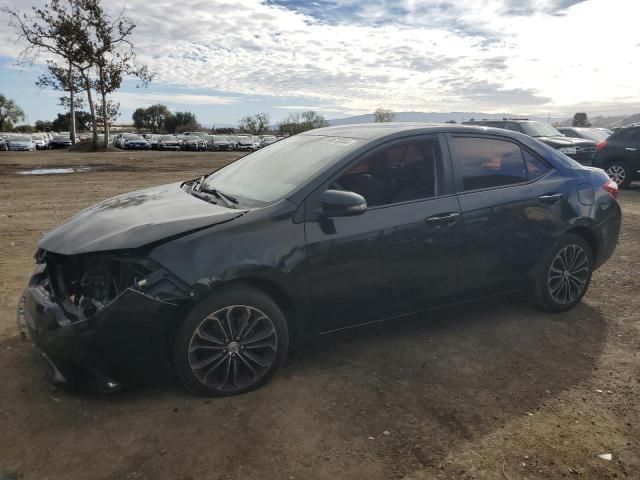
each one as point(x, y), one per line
point(370, 131)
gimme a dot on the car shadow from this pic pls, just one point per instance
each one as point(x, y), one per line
point(376, 400)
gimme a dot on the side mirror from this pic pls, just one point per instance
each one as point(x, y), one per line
point(340, 203)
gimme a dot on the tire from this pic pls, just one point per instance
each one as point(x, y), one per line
point(619, 173)
point(563, 275)
point(211, 365)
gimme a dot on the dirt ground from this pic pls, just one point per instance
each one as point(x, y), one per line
point(491, 390)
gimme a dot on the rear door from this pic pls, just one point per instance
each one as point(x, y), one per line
point(630, 150)
point(511, 202)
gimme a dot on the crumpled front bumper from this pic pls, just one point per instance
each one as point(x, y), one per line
point(125, 342)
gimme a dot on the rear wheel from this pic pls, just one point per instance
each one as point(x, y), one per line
point(563, 275)
point(619, 173)
point(231, 343)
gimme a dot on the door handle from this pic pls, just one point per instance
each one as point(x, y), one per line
point(443, 220)
point(630, 149)
point(551, 197)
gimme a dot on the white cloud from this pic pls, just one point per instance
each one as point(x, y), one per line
point(134, 100)
point(433, 55)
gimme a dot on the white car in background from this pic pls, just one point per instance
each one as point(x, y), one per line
point(233, 140)
point(21, 143)
point(246, 142)
point(40, 141)
point(218, 142)
point(268, 140)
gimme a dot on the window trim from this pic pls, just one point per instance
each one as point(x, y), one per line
point(456, 169)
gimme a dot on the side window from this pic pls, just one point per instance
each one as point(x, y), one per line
point(405, 172)
point(635, 135)
point(488, 162)
point(535, 167)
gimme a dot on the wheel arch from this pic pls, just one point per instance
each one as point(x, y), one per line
point(282, 298)
point(589, 236)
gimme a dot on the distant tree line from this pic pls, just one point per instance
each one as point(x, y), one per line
point(158, 119)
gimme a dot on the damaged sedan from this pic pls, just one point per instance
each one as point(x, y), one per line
point(213, 279)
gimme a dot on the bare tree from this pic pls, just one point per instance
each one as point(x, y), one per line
point(255, 124)
point(382, 115)
point(64, 80)
point(88, 42)
point(111, 55)
point(54, 29)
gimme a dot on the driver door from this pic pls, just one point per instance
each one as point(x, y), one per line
point(399, 256)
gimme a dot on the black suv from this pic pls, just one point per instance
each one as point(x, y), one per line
point(580, 150)
point(619, 155)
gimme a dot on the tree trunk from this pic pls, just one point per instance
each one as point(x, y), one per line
point(72, 104)
point(94, 123)
point(105, 118)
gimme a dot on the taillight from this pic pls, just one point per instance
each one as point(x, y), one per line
point(611, 187)
point(601, 145)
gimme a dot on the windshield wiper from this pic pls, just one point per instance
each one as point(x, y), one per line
point(227, 199)
point(198, 186)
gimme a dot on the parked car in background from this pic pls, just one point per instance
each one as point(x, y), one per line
point(40, 141)
point(619, 155)
point(153, 141)
point(196, 134)
point(135, 142)
point(169, 142)
point(582, 151)
point(218, 142)
point(122, 139)
point(194, 143)
point(60, 141)
point(594, 134)
point(246, 142)
point(267, 140)
point(3, 145)
point(233, 140)
point(213, 277)
point(21, 143)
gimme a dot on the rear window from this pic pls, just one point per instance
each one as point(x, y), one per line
point(488, 162)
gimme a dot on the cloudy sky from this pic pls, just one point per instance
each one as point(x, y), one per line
point(225, 59)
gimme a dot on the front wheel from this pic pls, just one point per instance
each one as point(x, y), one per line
point(619, 173)
point(231, 343)
point(563, 275)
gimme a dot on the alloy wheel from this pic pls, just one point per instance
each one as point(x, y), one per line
point(232, 348)
point(617, 173)
point(568, 274)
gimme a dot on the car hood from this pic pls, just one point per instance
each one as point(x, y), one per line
point(565, 141)
point(135, 219)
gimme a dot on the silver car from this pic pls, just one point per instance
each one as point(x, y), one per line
point(218, 142)
point(21, 143)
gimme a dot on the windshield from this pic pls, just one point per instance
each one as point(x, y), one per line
point(539, 129)
point(22, 138)
point(273, 173)
point(167, 137)
point(135, 138)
